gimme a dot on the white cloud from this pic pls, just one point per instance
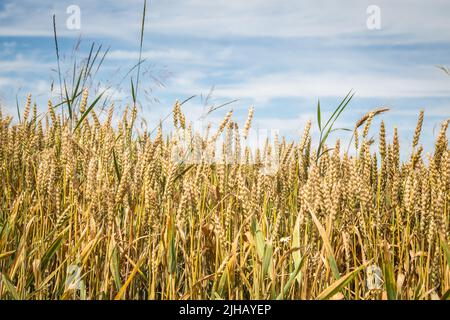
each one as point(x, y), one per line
point(20, 63)
point(40, 87)
point(263, 88)
point(197, 56)
point(170, 54)
point(413, 20)
point(4, 81)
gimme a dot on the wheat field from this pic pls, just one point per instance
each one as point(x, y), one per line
point(92, 208)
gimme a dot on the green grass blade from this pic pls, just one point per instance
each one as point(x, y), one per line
point(133, 92)
point(326, 242)
point(18, 108)
point(65, 101)
point(84, 115)
point(10, 287)
point(337, 109)
point(101, 61)
point(319, 122)
point(69, 104)
point(446, 249)
point(388, 273)
point(57, 55)
point(115, 267)
point(446, 295)
point(171, 255)
point(116, 166)
point(50, 253)
point(267, 258)
point(339, 284)
point(140, 44)
point(291, 279)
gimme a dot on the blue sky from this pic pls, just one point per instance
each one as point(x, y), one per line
point(279, 56)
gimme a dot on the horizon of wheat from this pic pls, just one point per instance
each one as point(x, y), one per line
point(102, 211)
